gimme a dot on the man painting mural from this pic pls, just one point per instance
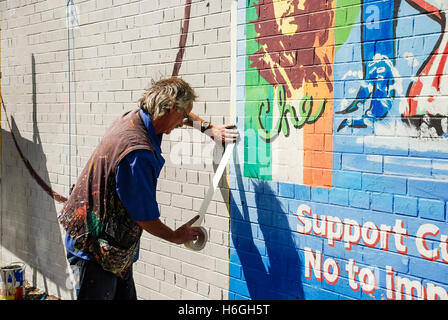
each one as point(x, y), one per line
point(114, 198)
point(296, 56)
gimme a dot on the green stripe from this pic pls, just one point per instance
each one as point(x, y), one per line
point(347, 11)
point(257, 153)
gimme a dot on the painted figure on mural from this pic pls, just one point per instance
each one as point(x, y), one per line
point(294, 36)
point(424, 110)
point(296, 52)
point(295, 56)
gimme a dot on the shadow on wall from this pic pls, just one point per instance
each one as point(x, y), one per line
point(30, 229)
point(264, 261)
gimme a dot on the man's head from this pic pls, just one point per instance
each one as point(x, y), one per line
point(166, 93)
point(168, 102)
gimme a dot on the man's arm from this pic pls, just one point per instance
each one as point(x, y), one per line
point(136, 187)
point(181, 235)
point(223, 133)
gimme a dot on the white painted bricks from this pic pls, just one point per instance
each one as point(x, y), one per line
point(119, 47)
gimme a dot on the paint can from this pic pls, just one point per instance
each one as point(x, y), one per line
point(12, 279)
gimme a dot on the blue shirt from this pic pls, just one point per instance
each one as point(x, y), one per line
point(136, 182)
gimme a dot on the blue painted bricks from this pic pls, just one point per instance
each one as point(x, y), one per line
point(379, 230)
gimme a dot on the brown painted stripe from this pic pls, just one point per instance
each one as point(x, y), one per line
point(53, 194)
point(180, 54)
point(183, 39)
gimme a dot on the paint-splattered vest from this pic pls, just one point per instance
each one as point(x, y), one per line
point(93, 215)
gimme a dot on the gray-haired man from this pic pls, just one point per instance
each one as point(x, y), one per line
point(114, 198)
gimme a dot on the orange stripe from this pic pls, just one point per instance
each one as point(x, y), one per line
point(318, 137)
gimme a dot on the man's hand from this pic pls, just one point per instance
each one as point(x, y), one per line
point(181, 235)
point(186, 232)
point(223, 134)
point(218, 133)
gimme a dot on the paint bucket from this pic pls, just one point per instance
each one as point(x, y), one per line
point(12, 279)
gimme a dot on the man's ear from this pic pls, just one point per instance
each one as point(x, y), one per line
point(173, 107)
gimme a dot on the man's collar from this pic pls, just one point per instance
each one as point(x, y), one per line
point(156, 138)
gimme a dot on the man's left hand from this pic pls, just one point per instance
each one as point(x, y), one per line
point(223, 133)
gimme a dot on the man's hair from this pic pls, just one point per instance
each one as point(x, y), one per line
point(160, 97)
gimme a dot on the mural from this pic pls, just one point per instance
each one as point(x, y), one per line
point(425, 109)
point(378, 69)
point(290, 63)
point(290, 53)
point(339, 189)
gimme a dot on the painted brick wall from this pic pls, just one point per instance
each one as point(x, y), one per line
point(348, 201)
point(116, 49)
point(338, 186)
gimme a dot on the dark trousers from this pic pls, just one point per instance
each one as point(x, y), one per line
point(98, 284)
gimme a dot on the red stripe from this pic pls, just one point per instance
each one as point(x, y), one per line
point(427, 8)
point(183, 39)
point(53, 194)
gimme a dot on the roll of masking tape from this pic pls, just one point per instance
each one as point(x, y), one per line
point(199, 244)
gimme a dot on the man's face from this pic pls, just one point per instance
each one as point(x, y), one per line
point(174, 118)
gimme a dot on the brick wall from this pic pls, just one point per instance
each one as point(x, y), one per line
point(116, 50)
point(337, 188)
point(352, 204)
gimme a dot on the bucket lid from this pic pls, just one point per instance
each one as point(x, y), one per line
point(14, 266)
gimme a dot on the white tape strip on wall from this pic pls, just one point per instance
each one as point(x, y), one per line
point(199, 244)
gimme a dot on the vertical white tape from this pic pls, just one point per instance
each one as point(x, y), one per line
point(200, 243)
point(212, 187)
point(233, 59)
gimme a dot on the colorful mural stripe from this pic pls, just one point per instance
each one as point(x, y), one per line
point(288, 89)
